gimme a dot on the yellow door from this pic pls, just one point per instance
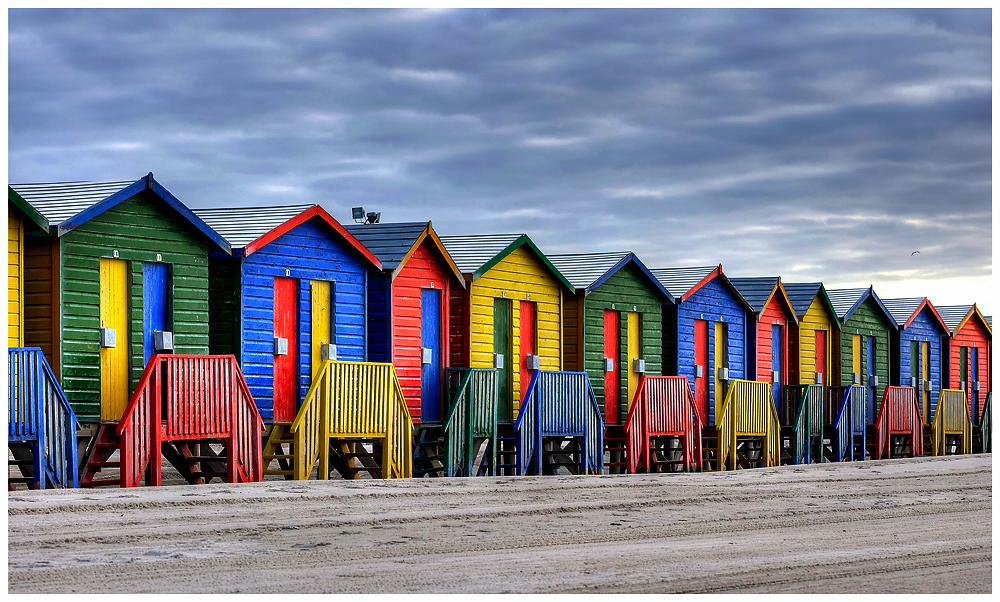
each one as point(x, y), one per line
point(15, 281)
point(721, 360)
point(925, 371)
point(114, 360)
point(322, 310)
point(633, 354)
point(856, 354)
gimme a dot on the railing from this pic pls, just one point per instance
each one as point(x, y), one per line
point(472, 414)
point(181, 397)
point(899, 414)
point(353, 400)
point(38, 412)
point(748, 411)
point(951, 417)
point(851, 406)
point(986, 425)
point(807, 401)
point(559, 404)
point(663, 407)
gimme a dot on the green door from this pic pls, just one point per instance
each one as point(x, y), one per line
point(502, 353)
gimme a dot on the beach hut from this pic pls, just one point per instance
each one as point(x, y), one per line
point(918, 346)
point(969, 354)
point(119, 279)
point(613, 331)
point(508, 317)
point(866, 332)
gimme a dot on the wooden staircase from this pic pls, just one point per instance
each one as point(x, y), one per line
point(24, 461)
point(614, 448)
point(710, 448)
point(278, 449)
point(666, 454)
point(428, 451)
point(561, 453)
point(506, 450)
point(98, 459)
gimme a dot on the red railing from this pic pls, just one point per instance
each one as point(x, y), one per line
point(190, 397)
point(899, 415)
point(663, 407)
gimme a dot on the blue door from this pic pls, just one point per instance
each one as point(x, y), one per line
point(776, 360)
point(869, 373)
point(430, 355)
point(155, 305)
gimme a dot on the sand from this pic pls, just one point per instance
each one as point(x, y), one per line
point(917, 525)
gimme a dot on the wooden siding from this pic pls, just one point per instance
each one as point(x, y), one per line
point(15, 280)
point(379, 343)
point(972, 334)
point(458, 327)
point(626, 289)
point(424, 270)
point(224, 304)
point(922, 329)
point(308, 252)
point(573, 338)
point(803, 345)
point(715, 303)
point(774, 312)
point(866, 321)
point(137, 229)
point(518, 275)
point(41, 297)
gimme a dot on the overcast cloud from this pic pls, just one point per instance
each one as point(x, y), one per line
point(811, 144)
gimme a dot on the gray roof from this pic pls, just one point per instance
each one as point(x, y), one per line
point(680, 280)
point(989, 320)
point(953, 315)
point(243, 225)
point(755, 290)
point(801, 295)
point(59, 201)
point(472, 251)
point(584, 269)
point(843, 299)
point(902, 309)
point(388, 242)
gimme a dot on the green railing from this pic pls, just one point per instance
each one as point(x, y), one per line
point(471, 418)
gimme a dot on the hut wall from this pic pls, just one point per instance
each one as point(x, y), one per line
point(923, 328)
point(866, 321)
point(802, 345)
point(41, 297)
point(15, 279)
point(518, 275)
point(379, 343)
point(458, 327)
point(307, 252)
point(224, 305)
point(573, 334)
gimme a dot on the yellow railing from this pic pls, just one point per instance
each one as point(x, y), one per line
point(748, 411)
point(353, 400)
point(951, 418)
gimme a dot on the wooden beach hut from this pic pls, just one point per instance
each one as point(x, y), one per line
point(613, 331)
point(866, 332)
point(918, 351)
point(969, 354)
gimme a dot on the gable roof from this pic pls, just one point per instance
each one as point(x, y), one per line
point(587, 271)
point(758, 292)
point(904, 311)
point(475, 254)
point(684, 282)
point(846, 301)
point(25, 208)
point(955, 316)
point(394, 244)
point(801, 295)
point(254, 227)
point(69, 205)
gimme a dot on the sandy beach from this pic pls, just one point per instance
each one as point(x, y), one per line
point(916, 525)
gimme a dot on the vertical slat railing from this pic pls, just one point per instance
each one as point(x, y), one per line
point(636, 431)
point(748, 411)
point(471, 414)
point(951, 417)
point(526, 425)
point(986, 425)
point(663, 406)
point(899, 414)
point(842, 444)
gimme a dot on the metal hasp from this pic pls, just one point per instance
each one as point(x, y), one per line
point(899, 418)
point(163, 340)
point(638, 366)
point(609, 364)
point(723, 373)
point(280, 346)
point(498, 360)
point(532, 362)
point(699, 371)
point(108, 338)
point(41, 425)
point(426, 355)
point(663, 407)
point(559, 425)
point(327, 351)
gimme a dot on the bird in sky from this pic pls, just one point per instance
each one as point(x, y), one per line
point(914, 253)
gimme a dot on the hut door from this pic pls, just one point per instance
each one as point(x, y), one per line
point(925, 371)
point(611, 378)
point(870, 372)
point(701, 365)
point(633, 354)
point(973, 377)
point(777, 378)
point(502, 335)
point(526, 332)
point(430, 367)
point(820, 366)
point(721, 361)
point(285, 355)
point(114, 355)
point(321, 316)
point(155, 305)
point(15, 281)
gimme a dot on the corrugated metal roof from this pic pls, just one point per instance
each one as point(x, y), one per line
point(680, 280)
point(902, 309)
point(389, 242)
point(755, 290)
point(953, 315)
point(472, 251)
point(59, 201)
point(989, 321)
point(843, 299)
point(584, 269)
point(801, 294)
point(243, 225)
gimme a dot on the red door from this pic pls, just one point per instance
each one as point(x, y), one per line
point(285, 365)
point(611, 383)
point(821, 354)
point(701, 365)
point(527, 332)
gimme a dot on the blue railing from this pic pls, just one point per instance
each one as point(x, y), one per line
point(559, 404)
point(39, 414)
point(850, 420)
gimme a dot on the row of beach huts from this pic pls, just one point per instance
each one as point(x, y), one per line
point(240, 342)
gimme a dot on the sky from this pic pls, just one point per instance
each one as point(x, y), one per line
point(850, 147)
